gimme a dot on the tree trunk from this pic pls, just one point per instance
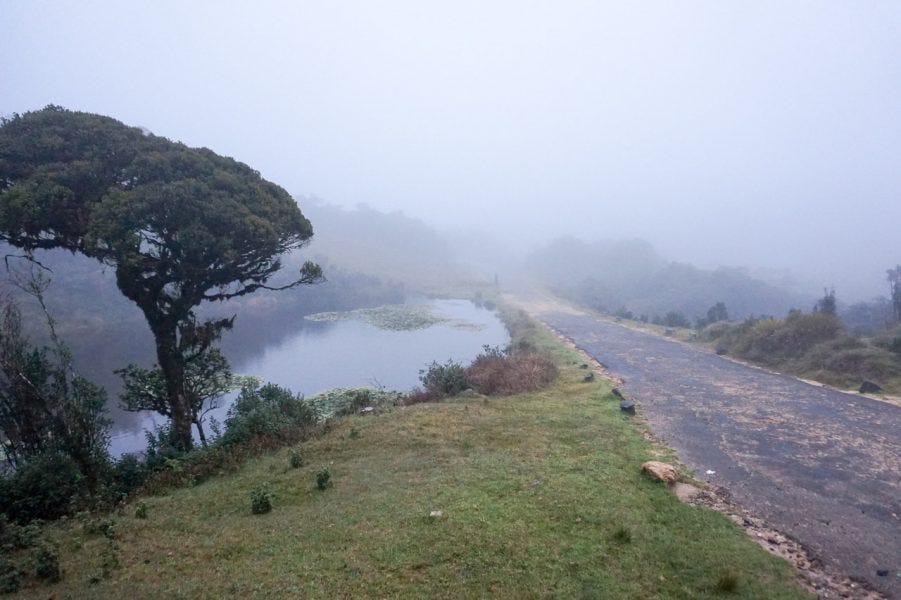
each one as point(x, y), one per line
point(172, 365)
point(200, 433)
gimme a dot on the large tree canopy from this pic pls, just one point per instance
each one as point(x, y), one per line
point(180, 225)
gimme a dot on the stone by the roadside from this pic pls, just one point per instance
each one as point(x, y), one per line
point(616, 392)
point(583, 366)
point(868, 387)
point(627, 406)
point(588, 377)
point(660, 471)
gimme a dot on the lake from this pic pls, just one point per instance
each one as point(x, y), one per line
point(352, 351)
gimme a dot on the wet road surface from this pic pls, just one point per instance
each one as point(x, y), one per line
point(820, 465)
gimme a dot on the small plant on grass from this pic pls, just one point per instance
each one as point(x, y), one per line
point(727, 583)
point(261, 499)
point(323, 478)
point(622, 535)
point(354, 433)
point(295, 458)
point(141, 510)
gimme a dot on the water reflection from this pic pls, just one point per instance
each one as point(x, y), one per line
point(320, 356)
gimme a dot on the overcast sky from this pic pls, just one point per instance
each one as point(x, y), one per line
point(742, 133)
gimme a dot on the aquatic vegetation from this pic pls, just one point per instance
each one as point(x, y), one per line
point(394, 317)
point(344, 401)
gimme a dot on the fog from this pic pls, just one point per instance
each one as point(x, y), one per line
point(764, 134)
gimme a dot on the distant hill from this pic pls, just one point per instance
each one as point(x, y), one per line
point(610, 275)
point(391, 246)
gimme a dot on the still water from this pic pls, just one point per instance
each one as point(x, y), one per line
point(352, 353)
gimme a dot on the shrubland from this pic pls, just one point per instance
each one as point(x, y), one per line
point(815, 346)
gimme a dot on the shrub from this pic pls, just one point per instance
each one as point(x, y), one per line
point(727, 582)
point(491, 374)
point(295, 458)
point(261, 500)
point(128, 474)
point(675, 318)
point(895, 345)
point(323, 478)
point(10, 576)
point(266, 411)
point(622, 535)
point(47, 563)
point(141, 510)
point(47, 486)
point(445, 380)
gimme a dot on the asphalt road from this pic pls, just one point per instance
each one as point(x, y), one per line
point(820, 465)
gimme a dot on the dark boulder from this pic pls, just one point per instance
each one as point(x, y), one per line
point(588, 377)
point(627, 406)
point(868, 387)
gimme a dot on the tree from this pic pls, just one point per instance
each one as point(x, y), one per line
point(207, 378)
point(826, 304)
point(179, 225)
point(717, 313)
point(894, 280)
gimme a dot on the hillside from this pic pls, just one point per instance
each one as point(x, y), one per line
point(611, 276)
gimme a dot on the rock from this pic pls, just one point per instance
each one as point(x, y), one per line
point(627, 406)
point(660, 471)
point(367, 409)
point(588, 377)
point(583, 366)
point(469, 393)
point(617, 393)
point(882, 573)
point(436, 514)
point(868, 387)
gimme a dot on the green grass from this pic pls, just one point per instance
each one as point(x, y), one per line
point(541, 495)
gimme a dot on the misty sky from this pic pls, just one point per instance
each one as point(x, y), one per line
point(753, 133)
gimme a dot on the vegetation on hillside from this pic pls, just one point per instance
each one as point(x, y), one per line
point(814, 346)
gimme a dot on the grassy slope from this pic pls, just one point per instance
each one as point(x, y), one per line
point(533, 488)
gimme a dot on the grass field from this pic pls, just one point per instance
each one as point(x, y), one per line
point(540, 495)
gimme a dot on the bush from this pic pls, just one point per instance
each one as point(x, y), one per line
point(492, 374)
point(141, 510)
point(445, 380)
point(295, 458)
point(10, 576)
point(323, 478)
point(675, 318)
point(128, 474)
point(261, 500)
point(47, 563)
point(266, 412)
point(47, 486)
